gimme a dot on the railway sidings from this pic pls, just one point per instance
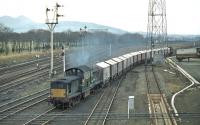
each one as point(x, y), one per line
point(159, 109)
point(134, 83)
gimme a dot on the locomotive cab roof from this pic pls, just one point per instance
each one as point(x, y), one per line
point(82, 68)
point(77, 70)
point(66, 80)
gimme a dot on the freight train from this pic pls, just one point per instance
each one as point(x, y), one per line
point(187, 53)
point(81, 81)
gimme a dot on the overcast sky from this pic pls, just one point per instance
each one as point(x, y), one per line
point(183, 16)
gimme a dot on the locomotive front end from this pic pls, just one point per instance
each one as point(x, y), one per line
point(58, 93)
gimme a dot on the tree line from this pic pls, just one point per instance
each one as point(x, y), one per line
point(39, 39)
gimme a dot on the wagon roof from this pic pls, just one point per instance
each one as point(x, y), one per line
point(127, 55)
point(111, 62)
point(157, 49)
point(149, 50)
point(121, 57)
point(134, 53)
point(102, 64)
point(143, 51)
point(117, 59)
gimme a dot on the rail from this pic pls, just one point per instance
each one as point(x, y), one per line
point(104, 121)
point(109, 106)
point(158, 99)
point(21, 99)
point(30, 121)
point(37, 75)
point(23, 105)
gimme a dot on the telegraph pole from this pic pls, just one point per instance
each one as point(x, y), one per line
point(84, 30)
point(51, 21)
point(157, 25)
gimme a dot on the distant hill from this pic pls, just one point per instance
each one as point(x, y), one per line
point(24, 24)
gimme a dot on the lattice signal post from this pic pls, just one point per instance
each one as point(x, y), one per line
point(51, 21)
point(157, 25)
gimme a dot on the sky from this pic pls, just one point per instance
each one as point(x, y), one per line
point(183, 16)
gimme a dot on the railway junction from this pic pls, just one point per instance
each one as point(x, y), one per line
point(153, 90)
point(102, 78)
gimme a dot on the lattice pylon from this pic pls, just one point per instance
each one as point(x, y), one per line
point(157, 25)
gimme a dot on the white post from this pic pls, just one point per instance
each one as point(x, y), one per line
point(110, 50)
point(130, 104)
point(63, 59)
point(51, 73)
point(32, 46)
point(128, 109)
point(51, 20)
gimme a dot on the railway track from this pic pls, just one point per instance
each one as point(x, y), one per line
point(12, 108)
point(100, 112)
point(35, 76)
point(4, 118)
point(43, 118)
point(6, 78)
point(19, 74)
point(159, 109)
point(152, 81)
point(22, 99)
point(13, 103)
point(24, 65)
point(46, 117)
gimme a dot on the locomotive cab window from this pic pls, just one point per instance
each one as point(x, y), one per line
point(73, 70)
point(60, 86)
